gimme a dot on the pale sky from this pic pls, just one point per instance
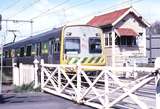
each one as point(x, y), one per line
point(48, 14)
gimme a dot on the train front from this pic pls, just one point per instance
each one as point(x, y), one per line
point(83, 45)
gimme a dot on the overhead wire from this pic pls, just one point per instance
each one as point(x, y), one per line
point(24, 8)
point(73, 6)
point(58, 5)
point(44, 12)
point(91, 14)
point(10, 6)
point(102, 10)
point(56, 11)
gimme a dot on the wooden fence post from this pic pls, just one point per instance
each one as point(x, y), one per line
point(21, 75)
point(157, 66)
point(42, 74)
point(78, 97)
point(36, 62)
point(106, 83)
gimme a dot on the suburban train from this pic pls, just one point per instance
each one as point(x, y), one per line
point(74, 44)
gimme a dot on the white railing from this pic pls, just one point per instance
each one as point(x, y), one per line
point(24, 74)
point(100, 90)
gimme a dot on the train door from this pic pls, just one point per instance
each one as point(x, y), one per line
point(50, 53)
point(54, 52)
point(38, 50)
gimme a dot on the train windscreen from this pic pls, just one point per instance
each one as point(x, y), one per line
point(95, 45)
point(83, 44)
point(72, 45)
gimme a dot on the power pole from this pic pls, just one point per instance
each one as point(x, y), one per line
point(17, 21)
point(6, 33)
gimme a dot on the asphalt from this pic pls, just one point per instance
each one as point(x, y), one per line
point(35, 100)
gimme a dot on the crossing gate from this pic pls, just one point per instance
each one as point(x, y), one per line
point(101, 90)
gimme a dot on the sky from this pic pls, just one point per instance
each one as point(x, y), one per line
point(48, 14)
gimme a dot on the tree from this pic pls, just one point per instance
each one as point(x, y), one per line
point(154, 28)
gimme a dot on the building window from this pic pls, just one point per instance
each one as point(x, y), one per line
point(123, 40)
point(126, 40)
point(108, 39)
point(117, 40)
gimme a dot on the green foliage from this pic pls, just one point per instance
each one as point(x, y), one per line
point(26, 88)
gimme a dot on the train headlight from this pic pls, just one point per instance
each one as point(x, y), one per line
point(68, 34)
point(97, 34)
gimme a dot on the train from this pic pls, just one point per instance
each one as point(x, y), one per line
point(73, 44)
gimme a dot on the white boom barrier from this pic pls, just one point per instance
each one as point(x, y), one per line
point(101, 90)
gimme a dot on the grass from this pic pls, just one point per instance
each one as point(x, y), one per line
point(27, 88)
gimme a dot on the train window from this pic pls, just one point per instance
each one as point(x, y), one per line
point(13, 53)
point(28, 52)
point(6, 54)
point(17, 52)
point(56, 46)
point(21, 51)
point(38, 49)
point(95, 45)
point(45, 48)
point(72, 45)
point(9, 53)
point(33, 49)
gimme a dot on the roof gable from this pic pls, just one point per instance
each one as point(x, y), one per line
point(113, 18)
point(108, 18)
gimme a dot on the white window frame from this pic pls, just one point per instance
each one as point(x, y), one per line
point(107, 35)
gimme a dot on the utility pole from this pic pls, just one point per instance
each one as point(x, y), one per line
point(4, 40)
point(13, 31)
point(17, 21)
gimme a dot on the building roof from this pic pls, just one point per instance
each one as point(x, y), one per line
point(115, 16)
point(108, 18)
point(126, 32)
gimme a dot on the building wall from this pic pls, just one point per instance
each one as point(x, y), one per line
point(153, 47)
point(131, 22)
point(124, 52)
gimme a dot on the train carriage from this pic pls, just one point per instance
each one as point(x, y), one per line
point(76, 44)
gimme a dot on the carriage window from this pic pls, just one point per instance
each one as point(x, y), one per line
point(56, 46)
point(17, 52)
point(45, 48)
point(13, 53)
point(6, 54)
point(9, 53)
point(29, 48)
point(22, 52)
point(33, 50)
point(72, 45)
point(95, 45)
point(38, 49)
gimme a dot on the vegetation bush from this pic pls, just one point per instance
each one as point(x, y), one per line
point(27, 88)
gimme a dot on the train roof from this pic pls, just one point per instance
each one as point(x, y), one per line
point(55, 32)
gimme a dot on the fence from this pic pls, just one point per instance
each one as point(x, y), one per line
point(23, 75)
point(100, 89)
point(7, 74)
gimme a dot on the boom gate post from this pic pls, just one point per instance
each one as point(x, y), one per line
point(36, 62)
point(42, 75)
point(157, 66)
